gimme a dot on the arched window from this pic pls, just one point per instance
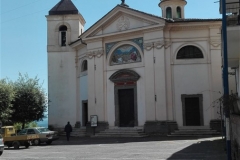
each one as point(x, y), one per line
point(169, 12)
point(125, 54)
point(63, 34)
point(189, 52)
point(84, 66)
point(179, 12)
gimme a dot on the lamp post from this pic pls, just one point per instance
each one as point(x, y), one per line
point(225, 78)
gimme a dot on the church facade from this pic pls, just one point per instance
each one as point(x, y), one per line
point(133, 69)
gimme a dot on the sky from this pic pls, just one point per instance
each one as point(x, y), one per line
point(23, 29)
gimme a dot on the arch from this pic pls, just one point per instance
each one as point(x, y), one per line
point(190, 52)
point(179, 12)
point(168, 12)
point(84, 66)
point(124, 75)
point(63, 28)
point(124, 54)
point(63, 24)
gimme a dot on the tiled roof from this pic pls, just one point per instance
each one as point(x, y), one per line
point(64, 7)
point(178, 20)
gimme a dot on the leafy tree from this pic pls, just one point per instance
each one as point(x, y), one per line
point(6, 98)
point(30, 101)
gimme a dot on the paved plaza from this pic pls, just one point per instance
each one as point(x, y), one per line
point(149, 148)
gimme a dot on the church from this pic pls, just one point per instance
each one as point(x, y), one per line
point(132, 69)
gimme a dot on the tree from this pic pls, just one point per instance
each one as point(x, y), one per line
point(30, 101)
point(6, 98)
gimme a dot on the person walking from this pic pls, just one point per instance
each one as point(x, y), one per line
point(68, 130)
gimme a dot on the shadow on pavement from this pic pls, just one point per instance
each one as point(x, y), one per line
point(112, 140)
point(204, 150)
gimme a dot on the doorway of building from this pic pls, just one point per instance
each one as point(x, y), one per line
point(126, 107)
point(84, 113)
point(192, 110)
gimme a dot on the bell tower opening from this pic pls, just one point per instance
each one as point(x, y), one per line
point(172, 8)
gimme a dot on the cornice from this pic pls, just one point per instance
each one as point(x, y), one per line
point(187, 28)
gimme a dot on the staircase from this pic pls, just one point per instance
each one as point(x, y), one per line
point(194, 131)
point(76, 132)
point(122, 132)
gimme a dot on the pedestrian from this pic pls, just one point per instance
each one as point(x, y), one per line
point(68, 130)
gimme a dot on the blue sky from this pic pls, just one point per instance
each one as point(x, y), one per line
point(23, 29)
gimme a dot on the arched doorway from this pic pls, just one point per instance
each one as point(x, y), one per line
point(125, 91)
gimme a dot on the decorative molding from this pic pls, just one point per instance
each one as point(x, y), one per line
point(215, 43)
point(123, 23)
point(124, 75)
point(92, 54)
point(148, 46)
point(157, 45)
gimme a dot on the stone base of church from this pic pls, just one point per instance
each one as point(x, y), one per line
point(101, 126)
point(160, 127)
point(216, 124)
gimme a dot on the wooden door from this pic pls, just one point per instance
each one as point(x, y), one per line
point(126, 107)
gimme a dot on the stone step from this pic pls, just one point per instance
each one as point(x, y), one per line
point(194, 131)
point(122, 132)
point(77, 132)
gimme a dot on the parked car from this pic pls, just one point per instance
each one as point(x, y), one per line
point(1, 145)
point(45, 135)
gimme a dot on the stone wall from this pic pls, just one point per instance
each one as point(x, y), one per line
point(235, 136)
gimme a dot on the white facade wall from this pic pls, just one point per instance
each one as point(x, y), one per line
point(61, 88)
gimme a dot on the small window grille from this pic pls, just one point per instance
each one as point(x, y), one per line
point(189, 52)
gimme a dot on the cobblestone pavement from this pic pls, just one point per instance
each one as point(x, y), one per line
point(149, 148)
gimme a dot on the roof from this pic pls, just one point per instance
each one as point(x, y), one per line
point(64, 7)
point(175, 20)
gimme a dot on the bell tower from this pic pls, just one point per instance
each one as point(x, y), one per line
point(65, 24)
point(172, 8)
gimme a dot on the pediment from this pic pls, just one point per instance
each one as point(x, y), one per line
point(122, 19)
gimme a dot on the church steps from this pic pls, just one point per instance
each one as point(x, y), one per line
point(194, 131)
point(77, 132)
point(121, 132)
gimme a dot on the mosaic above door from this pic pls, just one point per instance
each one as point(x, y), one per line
point(125, 54)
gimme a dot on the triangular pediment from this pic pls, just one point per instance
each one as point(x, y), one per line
point(120, 20)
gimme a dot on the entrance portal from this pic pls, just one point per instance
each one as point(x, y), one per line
point(192, 110)
point(125, 93)
point(126, 107)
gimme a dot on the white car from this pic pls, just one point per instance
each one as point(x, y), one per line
point(1, 145)
point(45, 135)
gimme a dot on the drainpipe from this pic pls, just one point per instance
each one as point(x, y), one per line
point(225, 77)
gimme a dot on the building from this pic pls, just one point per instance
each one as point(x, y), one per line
point(133, 69)
point(233, 52)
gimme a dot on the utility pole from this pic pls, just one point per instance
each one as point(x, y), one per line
point(225, 79)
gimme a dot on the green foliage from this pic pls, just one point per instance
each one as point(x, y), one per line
point(18, 126)
point(6, 97)
point(30, 100)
